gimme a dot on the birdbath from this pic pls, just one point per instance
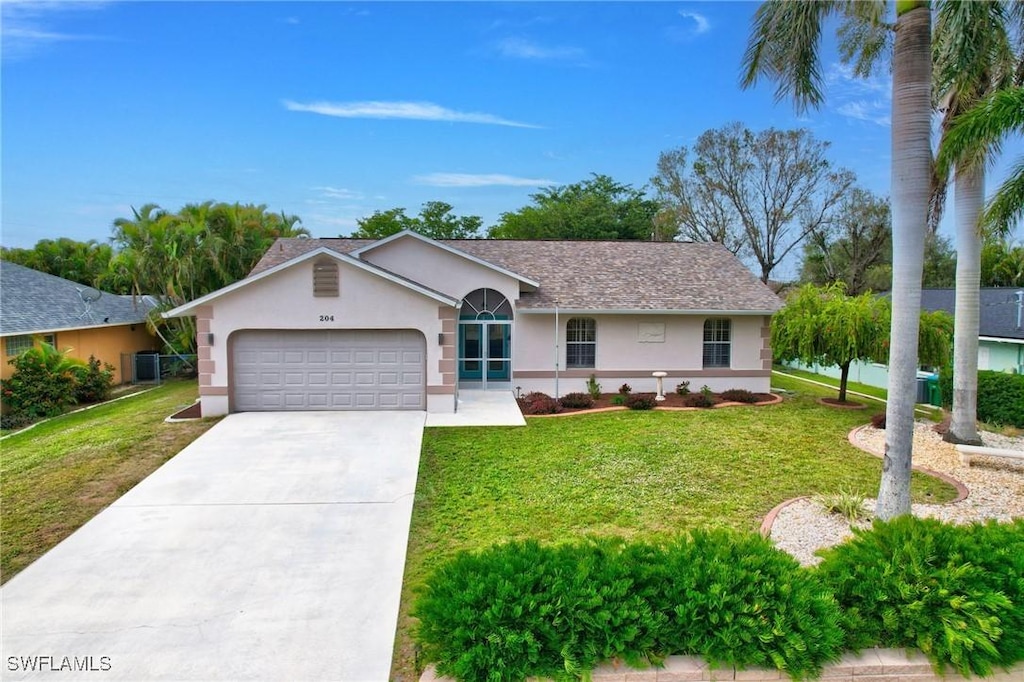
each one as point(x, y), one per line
point(660, 376)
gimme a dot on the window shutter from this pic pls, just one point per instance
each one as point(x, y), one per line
point(325, 278)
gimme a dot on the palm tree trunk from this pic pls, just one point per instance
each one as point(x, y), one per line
point(844, 378)
point(911, 173)
point(969, 193)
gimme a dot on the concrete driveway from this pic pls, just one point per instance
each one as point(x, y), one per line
point(270, 548)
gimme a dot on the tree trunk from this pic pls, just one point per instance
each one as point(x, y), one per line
point(844, 376)
point(969, 193)
point(911, 173)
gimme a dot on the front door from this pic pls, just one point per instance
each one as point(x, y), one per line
point(485, 351)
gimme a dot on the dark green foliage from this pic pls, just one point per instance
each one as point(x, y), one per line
point(1001, 398)
point(946, 386)
point(946, 590)
point(593, 387)
point(576, 400)
point(683, 388)
point(43, 384)
point(519, 610)
point(641, 401)
point(539, 403)
point(698, 400)
point(625, 389)
point(94, 382)
point(618, 399)
point(738, 395)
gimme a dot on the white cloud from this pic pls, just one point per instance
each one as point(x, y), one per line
point(701, 23)
point(294, 21)
point(419, 111)
point(26, 26)
point(521, 48)
point(338, 193)
point(862, 99)
point(479, 180)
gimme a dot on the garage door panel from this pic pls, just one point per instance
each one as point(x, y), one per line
point(328, 370)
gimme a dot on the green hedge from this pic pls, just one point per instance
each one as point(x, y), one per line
point(522, 609)
point(1001, 398)
point(954, 592)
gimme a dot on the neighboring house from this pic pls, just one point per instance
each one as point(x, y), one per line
point(1000, 339)
point(406, 321)
point(39, 308)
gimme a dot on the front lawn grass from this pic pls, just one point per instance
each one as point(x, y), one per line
point(59, 474)
point(633, 474)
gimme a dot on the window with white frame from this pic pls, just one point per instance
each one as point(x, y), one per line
point(717, 343)
point(16, 345)
point(580, 342)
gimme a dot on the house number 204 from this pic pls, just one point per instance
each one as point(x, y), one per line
point(327, 318)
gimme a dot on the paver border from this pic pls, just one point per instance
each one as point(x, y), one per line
point(962, 492)
point(776, 399)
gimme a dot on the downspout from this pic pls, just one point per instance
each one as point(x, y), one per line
point(556, 350)
point(458, 352)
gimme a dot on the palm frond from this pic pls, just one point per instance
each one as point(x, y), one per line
point(980, 130)
point(1006, 208)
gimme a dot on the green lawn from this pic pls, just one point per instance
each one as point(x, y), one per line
point(58, 475)
point(634, 474)
point(922, 410)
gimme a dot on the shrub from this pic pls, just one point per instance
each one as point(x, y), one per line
point(946, 590)
point(739, 395)
point(683, 388)
point(94, 382)
point(946, 386)
point(641, 401)
point(539, 403)
point(576, 400)
point(1001, 398)
point(618, 399)
point(878, 420)
point(43, 383)
point(846, 504)
point(735, 599)
point(625, 389)
point(698, 400)
point(593, 388)
point(521, 610)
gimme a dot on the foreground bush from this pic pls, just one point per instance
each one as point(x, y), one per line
point(576, 400)
point(521, 609)
point(955, 593)
point(641, 401)
point(1001, 398)
point(739, 395)
point(43, 384)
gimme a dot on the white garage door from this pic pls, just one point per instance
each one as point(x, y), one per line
point(321, 369)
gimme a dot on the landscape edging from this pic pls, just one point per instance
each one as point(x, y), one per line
point(876, 665)
point(776, 399)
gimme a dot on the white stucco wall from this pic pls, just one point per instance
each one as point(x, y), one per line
point(630, 347)
point(440, 270)
point(285, 300)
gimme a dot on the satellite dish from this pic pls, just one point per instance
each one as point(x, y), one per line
point(88, 295)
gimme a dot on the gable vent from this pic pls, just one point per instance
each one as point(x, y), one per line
point(325, 278)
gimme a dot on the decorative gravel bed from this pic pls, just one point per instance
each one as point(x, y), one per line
point(996, 492)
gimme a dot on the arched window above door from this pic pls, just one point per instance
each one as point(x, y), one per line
point(486, 304)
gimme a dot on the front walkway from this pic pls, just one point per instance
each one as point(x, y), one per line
point(482, 408)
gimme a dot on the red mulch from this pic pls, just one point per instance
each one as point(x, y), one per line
point(848, 404)
point(191, 412)
point(671, 400)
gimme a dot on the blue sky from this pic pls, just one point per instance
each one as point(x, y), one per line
point(331, 110)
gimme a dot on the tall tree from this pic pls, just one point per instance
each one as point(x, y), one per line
point(178, 257)
point(597, 208)
point(762, 193)
point(785, 47)
point(692, 209)
point(83, 262)
point(435, 220)
point(856, 249)
point(973, 57)
point(1002, 264)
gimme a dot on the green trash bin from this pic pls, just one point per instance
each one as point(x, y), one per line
point(934, 394)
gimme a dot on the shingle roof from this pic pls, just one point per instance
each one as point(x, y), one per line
point(998, 309)
point(599, 275)
point(33, 301)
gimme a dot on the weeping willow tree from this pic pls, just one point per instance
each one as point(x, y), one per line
point(824, 326)
point(178, 257)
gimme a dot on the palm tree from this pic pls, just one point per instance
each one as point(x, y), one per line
point(784, 47)
point(972, 57)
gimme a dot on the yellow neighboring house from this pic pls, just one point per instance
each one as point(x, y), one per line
point(39, 308)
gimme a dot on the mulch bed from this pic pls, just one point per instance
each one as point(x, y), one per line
point(672, 400)
point(193, 411)
point(842, 404)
